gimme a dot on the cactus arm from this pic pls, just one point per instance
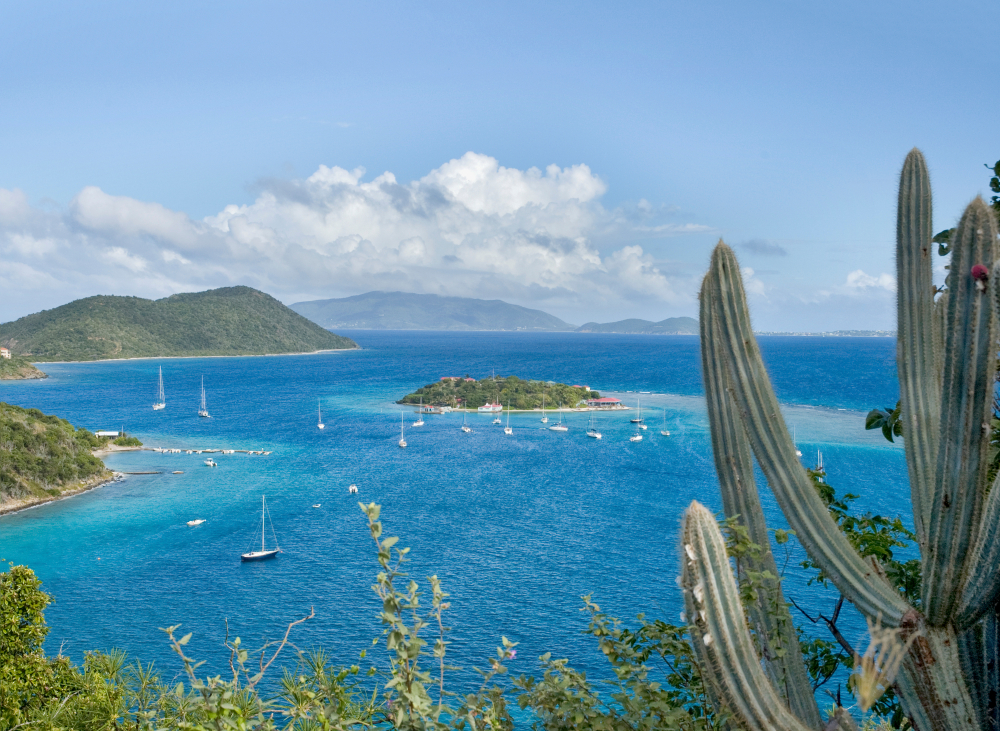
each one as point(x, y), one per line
point(919, 384)
point(966, 396)
point(982, 581)
point(769, 614)
point(719, 634)
point(761, 416)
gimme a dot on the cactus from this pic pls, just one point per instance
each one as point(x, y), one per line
point(949, 678)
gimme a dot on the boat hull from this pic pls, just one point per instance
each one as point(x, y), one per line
point(259, 555)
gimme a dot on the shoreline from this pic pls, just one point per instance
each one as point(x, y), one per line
point(182, 357)
point(16, 506)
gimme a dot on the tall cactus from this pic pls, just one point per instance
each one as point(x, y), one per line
point(949, 679)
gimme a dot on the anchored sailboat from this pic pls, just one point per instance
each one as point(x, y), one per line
point(420, 414)
point(203, 411)
point(638, 416)
point(664, 431)
point(319, 412)
point(559, 426)
point(161, 401)
point(465, 427)
point(402, 441)
point(507, 429)
point(545, 419)
point(264, 552)
point(592, 431)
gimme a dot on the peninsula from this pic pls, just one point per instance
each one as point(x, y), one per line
point(227, 321)
point(520, 395)
point(635, 326)
point(43, 458)
point(17, 369)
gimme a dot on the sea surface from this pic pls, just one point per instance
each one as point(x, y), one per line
point(518, 527)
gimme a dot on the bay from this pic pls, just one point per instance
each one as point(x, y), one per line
point(518, 528)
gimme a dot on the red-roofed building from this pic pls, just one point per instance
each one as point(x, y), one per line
point(604, 403)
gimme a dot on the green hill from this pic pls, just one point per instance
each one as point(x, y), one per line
point(405, 311)
point(511, 390)
point(670, 326)
point(41, 457)
point(227, 321)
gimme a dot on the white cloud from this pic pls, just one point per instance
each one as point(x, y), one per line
point(858, 280)
point(469, 228)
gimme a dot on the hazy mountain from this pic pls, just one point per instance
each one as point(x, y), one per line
point(227, 321)
point(404, 311)
point(670, 326)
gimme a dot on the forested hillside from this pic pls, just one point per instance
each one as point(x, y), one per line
point(227, 321)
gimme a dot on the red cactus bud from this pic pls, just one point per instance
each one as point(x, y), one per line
point(980, 272)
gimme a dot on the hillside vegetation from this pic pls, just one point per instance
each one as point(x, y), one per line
point(635, 326)
point(42, 456)
point(510, 389)
point(16, 369)
point(227, 321)
point(405, 311)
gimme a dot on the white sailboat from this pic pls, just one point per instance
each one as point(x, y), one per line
point(545, 419)
point(420, 414)
point(497, 420)
point(638, 416)
point(319, 412)
point(559, 426)
point(264, 552)
point(161, 401)
point(637, 437)
point(592, 431)
point(203, 411)
point(402, 440)
point(465, 427)
point(507, 430)
point(664, 431)
point(798, 452)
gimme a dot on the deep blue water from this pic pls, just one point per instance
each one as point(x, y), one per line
point(518, 528)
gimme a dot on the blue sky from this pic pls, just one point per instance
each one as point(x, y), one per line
point(153, 148)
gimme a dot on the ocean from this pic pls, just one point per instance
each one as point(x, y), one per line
point(517, 527)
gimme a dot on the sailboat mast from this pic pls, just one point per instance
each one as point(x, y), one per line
point(262, 524)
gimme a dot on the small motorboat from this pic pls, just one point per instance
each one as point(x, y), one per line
point(316, 505)
point(178, 472)
point(353, 489)
point(635, 438)
point(193, 523)
point(211, 462)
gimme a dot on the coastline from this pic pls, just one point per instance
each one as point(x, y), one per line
point(16, 506)
point(182, 357)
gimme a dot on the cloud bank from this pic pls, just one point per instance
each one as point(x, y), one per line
point(469, 228)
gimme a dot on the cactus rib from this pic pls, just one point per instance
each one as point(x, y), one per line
point(919, 384)
point(769, 614)
point(719, 633)
point(982, 582)
point(969, 364)
point(761, 417)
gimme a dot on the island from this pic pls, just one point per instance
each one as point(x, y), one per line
point(670, 326)
point(227, 321)
point(44, 458)
point(463, 392)
point(17, 369)
point(407, 311)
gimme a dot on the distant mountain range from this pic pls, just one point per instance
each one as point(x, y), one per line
point(404, 311)
point(670, 326)
point(227, 321)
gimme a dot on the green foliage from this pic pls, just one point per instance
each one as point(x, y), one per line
point(887, 420)
point(16, 368)
point(40, 453)
point(995, 186)
point(511, 390)
point(126, 441)
point(227, 321)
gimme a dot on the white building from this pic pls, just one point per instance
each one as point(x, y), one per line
point(4, 353)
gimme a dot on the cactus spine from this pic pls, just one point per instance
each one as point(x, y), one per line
point(946, 358)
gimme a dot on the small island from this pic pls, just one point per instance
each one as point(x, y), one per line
point(463, 392)
point(18, 369)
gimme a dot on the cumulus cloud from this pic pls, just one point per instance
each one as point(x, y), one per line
point(858, 280)
point(471, 227)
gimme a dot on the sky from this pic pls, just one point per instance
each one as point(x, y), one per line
point(579, 158)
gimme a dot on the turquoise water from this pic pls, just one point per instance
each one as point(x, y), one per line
point(518, 528)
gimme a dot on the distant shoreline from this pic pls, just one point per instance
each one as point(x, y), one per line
point(16, 506)
point(182, 357)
